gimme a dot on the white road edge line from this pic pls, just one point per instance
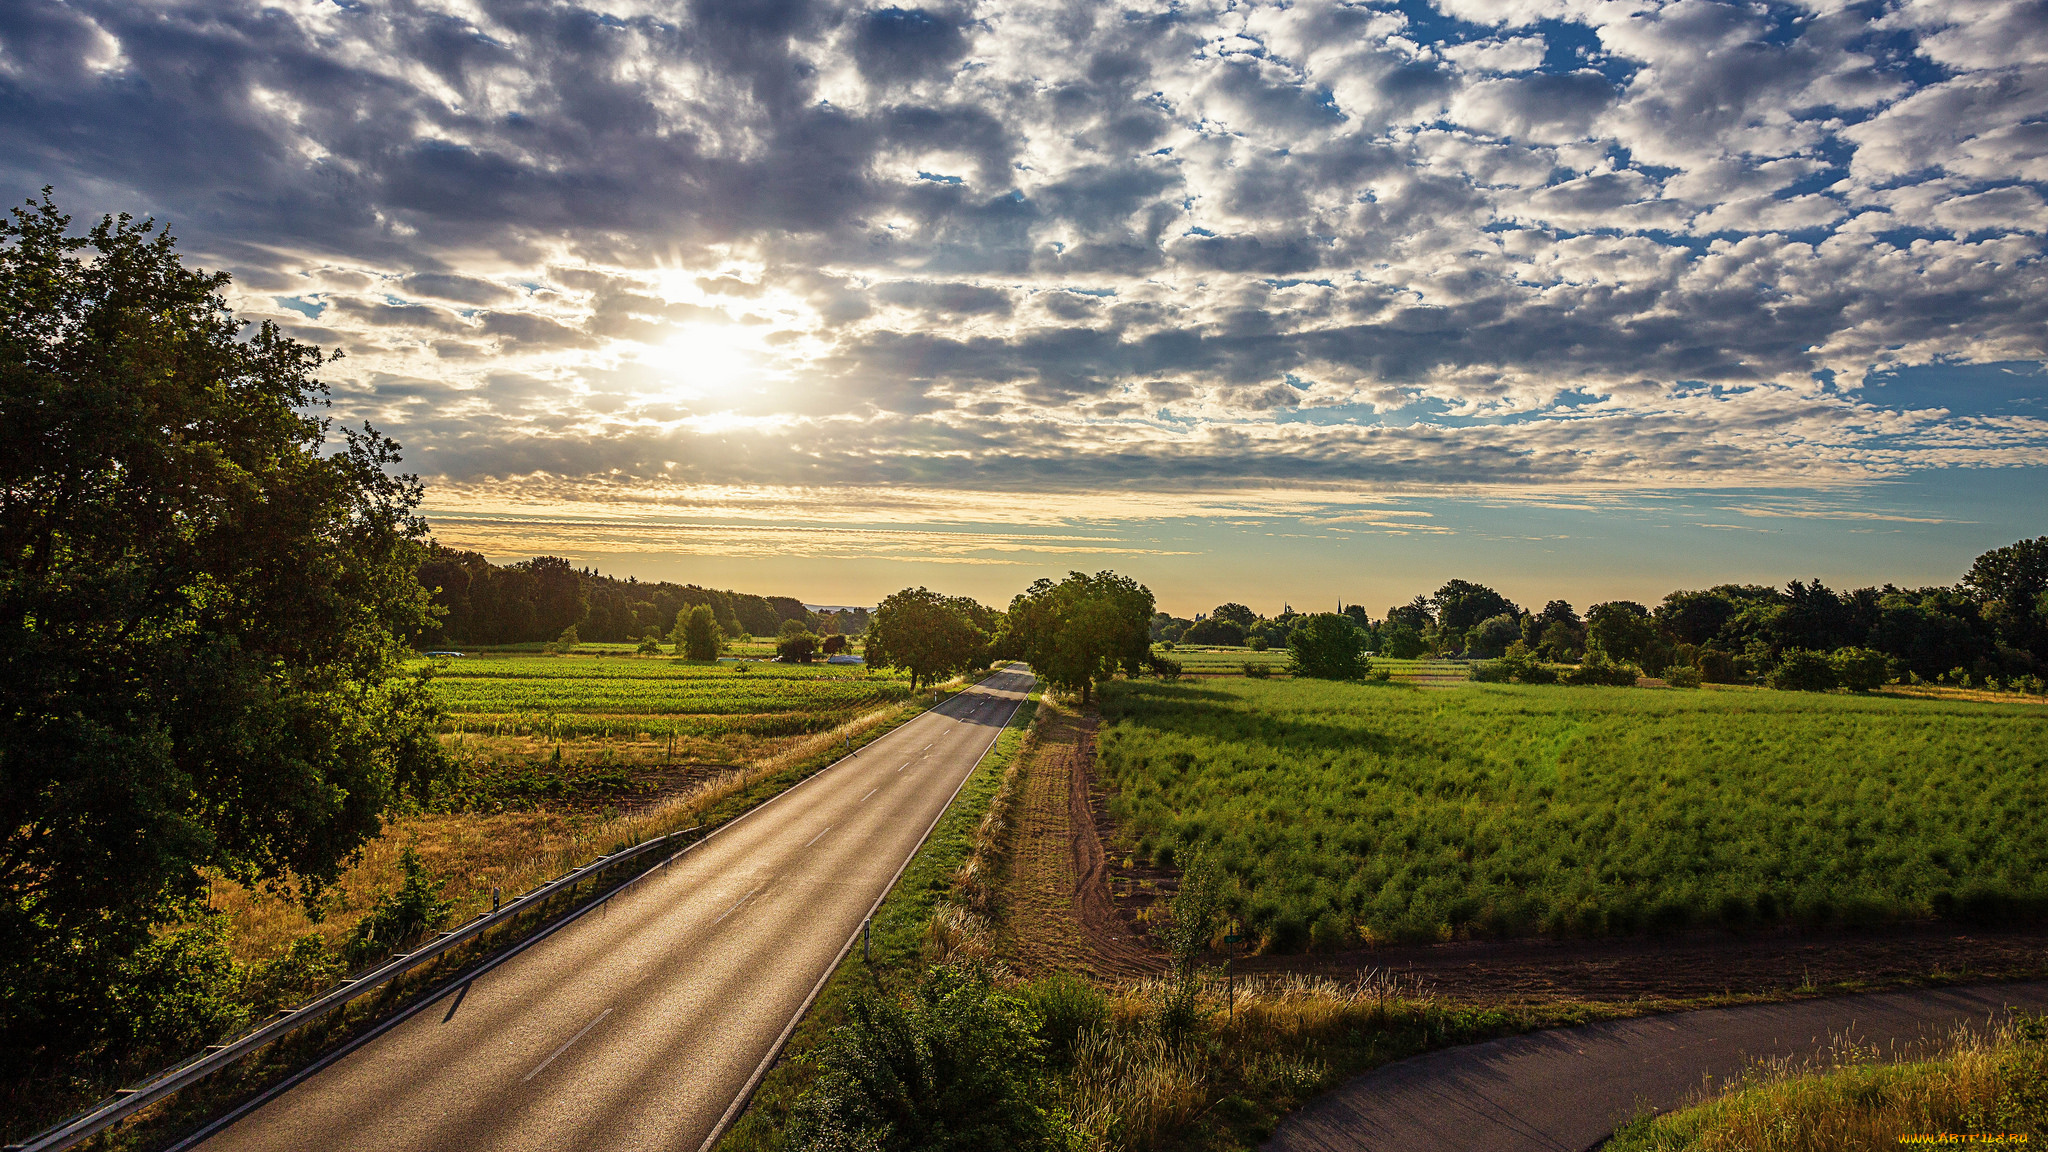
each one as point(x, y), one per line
point(739, 1102)
point(742, 900)
point(565, 1045)
point(819, 836)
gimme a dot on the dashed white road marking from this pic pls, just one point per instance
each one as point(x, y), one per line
point(749, 896)
point(565, 1045)
point(819, 836)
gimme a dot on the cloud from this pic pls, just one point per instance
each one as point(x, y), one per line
point(991, 247)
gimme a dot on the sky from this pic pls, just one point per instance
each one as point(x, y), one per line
point(1281, 303)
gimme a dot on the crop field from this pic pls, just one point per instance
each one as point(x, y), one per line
point(1347, 813)
point(561, 696)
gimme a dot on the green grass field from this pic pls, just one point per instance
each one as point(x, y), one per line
point(1347, 812)
point(564, 696)
point(1217, 660)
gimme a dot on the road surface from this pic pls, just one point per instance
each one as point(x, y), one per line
point(636, 1027)
point(1567, 1089)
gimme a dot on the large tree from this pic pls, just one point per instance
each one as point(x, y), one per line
point(204, 603)
point(1328, 646)
point(1461, 604)
point(1082, 629)
point(926, 634)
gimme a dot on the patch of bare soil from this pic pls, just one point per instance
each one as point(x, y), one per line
point(1061, 914)
point(1691, 966)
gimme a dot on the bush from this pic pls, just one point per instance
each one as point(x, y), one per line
point(299, 969)
point(1257, 671)
point(398, 918)
point(1681, 676)
point(1597, 669)
point(1165, 667)
point(797, 647)
point(1066, 1006)
point(179, 992)
point(1491, 672)
point(1860, 669)
point(951, 1068)
point(1717, 667)
point(1803, 670)
point(1258, 644)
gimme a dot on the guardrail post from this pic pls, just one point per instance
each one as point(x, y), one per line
point(865, 925)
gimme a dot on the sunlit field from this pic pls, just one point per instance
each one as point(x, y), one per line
point(569, 696)
point(1347, 812)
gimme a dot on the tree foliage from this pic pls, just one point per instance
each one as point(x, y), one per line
point(927, 634)
point(204, 599)
point(698, 634)
point(1327, 646)
point(1082, 629)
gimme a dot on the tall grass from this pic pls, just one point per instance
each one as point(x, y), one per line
point(1988, 1088)
point(1348, 813)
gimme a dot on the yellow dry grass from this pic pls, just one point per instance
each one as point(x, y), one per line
point(516, 851)
point(1989, 1088)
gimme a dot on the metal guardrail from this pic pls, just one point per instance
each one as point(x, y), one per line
point(128, 1101)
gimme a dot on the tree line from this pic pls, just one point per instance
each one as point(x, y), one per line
point(535, 601)
point(1988, 629)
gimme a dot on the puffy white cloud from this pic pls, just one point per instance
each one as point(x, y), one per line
point(1006, 245)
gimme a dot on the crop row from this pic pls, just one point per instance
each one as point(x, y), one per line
point(1353, 812)
point(655, 697)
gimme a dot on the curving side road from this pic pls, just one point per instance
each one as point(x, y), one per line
point(1567, 1089)
point(638, 1026)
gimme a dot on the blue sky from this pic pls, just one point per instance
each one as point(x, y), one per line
point(1277, 302)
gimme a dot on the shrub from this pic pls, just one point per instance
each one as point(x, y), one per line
point(1258, 644)
point(1165, 667)
point(1803, 670)
point(299, 969)
point(1860, 669)
point(568, 639)
point(1682, 676)
point(1166, 645)
point(1257, 671)
point(950, 1068)
point(1597, 669)
point(1491, 672)
point(400, 917)
point(1066, 1006)
point(1717, 667)
point(649, 647)
point(178, 992)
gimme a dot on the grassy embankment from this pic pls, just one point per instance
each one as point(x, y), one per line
point(1355, 813)
point(1989, 1088)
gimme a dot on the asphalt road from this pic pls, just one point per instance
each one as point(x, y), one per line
point(636, 1027)
point(1567, 1089)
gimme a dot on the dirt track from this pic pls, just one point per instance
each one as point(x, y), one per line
point(1062, 913)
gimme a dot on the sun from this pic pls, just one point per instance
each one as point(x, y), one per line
point(707, 359)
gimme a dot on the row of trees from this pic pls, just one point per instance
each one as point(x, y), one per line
point(535, 600)
point(1991, 625)
point(1073, 632)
